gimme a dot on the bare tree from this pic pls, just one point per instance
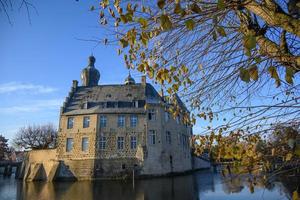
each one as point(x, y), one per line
point(3, 147)
point(36, 137)
point(236, 63)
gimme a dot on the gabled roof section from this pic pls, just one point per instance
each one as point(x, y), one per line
point(93, 99)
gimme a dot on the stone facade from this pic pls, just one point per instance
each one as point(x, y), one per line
point(107, 131)
point(148, 139)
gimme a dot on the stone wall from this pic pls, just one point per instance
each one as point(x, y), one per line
point(199, 163)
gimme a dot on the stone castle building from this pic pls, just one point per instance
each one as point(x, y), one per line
point(109, 130)
point(113, 131)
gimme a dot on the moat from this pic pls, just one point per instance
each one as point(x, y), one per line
point(200, 185)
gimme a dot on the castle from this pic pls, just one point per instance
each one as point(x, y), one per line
point(107, 130)
point(113, 131)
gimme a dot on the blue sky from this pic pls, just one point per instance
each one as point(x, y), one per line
point(39, 60)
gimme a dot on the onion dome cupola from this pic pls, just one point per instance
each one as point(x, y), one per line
point(90, 75)
point(129, 80)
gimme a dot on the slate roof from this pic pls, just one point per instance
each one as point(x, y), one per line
point(102, 98)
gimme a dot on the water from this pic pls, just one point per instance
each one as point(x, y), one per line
point(203, 185)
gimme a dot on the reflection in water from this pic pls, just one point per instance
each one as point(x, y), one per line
point(201, 185)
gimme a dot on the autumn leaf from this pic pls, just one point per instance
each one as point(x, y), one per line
point(221, 4)
point(249, 42)
point(177, 8)
point(253, 72)
point(289, 75)
point(221, 31)
point(165, 22)
point(161, 3)
point(190, 24)
point(295, 195)
point(123, 43)
point(195, 8)
point(244, 75)
point(288, 156)
point(143, 22)
point(273, 72)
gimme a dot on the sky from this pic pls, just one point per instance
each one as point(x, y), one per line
point(40, 57)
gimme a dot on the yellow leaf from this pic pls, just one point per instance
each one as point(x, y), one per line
point(165, 22)
point(273, 152)
point(244, 75)
point(221, 31)
point(249, 42)
point(288, 156)
point(143, 22)
point(190, 24)
point(195, 8)
point(161, 3)
point(295, 195)
point(273, 72)
point(221, 4)
point(177, 8)
point(253, 72)
point(289, 75)
point(123, 43)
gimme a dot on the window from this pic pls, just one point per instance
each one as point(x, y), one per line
point(183, 141)
point(70, 122)
point(85, 144)
point(86, 122)
point(102, 143)
point(168, 137)
point(120, 142)
point(69, 145)
point(179, 138)
point(178, 119)
point(133, 142)
point(133, 120)
point(103, 121)
point(167, 116)
point(121, 121)
point(151, 114)
point(152, 136)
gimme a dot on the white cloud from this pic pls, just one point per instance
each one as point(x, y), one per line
point(34, 106)
point(25, 87)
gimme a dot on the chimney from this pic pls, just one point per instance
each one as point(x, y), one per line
point(143, 80)
point(162, 92)
point(75, 84)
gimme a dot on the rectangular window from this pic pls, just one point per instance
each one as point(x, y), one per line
point(152, 136)
point(179, 138)
point(102, 143)
point(133, 120)
point(70, 122)
point(121, 121)
point(69, 145)
point(183, 141)
point(85, 144)
point(133, 142)
point(167, 116)
point(86, 122)
point(151, 114)
point(103, 121)
point(168, 137)
point(120, 143)
point(178, 119)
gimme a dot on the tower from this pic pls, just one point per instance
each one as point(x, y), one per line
point(90, 75)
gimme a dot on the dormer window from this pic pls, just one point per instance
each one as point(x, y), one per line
point(108, 96)
point(151, 114)
point(85, 105)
